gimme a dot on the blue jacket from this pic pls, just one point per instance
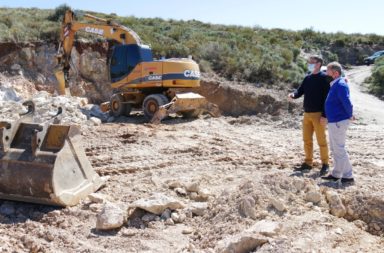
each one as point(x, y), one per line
point(338, 105)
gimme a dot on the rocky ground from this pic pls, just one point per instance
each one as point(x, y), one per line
point(213, 184)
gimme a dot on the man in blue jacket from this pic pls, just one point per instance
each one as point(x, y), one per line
point(339, 111)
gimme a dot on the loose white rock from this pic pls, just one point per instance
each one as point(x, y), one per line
point(111, 217)
point(157, 203)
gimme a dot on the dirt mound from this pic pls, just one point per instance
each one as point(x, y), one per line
point(267, 199)
point(236, 99)
point(367, 211)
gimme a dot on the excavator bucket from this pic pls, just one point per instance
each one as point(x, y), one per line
point(44, 163)
point(190, 105)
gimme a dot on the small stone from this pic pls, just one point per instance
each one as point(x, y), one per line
point(266, 227)
point(360, 224)
point(189, 214)
point(299, 184)
point(181, 191)
point(15, 67)
point(376, 226)
point(309, 204)
point(313, 196)
point(175, 217)
point(350, 211)
point(339, 231)
point(166, 214)
point(54, 213)
point(241, 243)
point(129, 232)
point(95, 121)
point(278, 204)
point(187, 230)
point(203, 194)
point(169, 222)
point(49, 237)
point(7, 208)
point(192, 187)
point(96, 207)
point(151, 224)
point(198, 208)
point(149, 217)
point(173, 184)
point(335, 204)
point(111, 217)
point(96, 197)
point(193, 196)
point(182, 217)
point(157, 203)
point(247, 207)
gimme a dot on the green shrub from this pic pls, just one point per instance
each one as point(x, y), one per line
point(258, 55)
point(59, 13)
point(376, 82)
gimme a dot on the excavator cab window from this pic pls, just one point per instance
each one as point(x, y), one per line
point(125, 58)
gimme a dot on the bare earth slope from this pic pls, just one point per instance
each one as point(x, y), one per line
point(243, 164)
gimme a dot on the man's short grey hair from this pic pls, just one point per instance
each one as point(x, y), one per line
point(335, 66)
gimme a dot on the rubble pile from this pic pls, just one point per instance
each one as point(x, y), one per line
point(75, 110)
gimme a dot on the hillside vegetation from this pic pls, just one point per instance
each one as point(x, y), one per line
point(256, 55)
point(376, 81)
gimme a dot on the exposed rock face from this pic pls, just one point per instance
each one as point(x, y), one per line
point(236, 100)
point(37, 62)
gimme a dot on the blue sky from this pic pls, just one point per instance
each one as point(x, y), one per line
point(325, 15)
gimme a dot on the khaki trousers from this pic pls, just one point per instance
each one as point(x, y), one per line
point(311, 124)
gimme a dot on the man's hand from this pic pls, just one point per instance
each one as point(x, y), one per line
point(323, 121)
point(352, 118)
point(291, 96)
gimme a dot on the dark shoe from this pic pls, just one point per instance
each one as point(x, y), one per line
point(330, 178)
point(324, 169)
point(304, 166)
point(347, 180)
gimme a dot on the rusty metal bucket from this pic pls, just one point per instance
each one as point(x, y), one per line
point(44, 163)
point(189, 104)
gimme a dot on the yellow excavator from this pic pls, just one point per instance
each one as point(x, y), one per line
point(138, 81)
point(45, 162)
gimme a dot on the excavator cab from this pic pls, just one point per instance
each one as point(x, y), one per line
point(125, 58)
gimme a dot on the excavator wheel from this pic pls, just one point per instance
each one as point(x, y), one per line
point(118, 107)
point(152, 103)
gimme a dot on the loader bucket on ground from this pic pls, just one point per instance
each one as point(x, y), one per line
point(44, 163)
point(187, 104)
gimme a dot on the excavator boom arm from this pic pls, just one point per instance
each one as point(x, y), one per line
point(107, 29)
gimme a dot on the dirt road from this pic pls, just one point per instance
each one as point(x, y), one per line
point(370, 108)
point(245, 166)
